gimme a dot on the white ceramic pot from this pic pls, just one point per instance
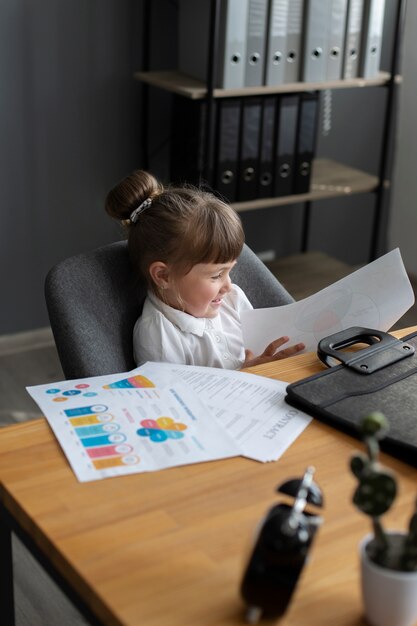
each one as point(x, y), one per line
point(389, 596)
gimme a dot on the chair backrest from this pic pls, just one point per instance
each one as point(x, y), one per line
point(93, 302)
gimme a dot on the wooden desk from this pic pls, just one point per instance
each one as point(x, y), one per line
point(168, 548)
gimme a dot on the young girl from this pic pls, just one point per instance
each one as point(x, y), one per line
point(184, 242)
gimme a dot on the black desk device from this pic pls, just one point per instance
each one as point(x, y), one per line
point(281, 548)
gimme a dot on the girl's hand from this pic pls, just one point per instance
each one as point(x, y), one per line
point(270, 353)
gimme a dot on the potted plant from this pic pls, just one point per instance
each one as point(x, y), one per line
point(388, 558)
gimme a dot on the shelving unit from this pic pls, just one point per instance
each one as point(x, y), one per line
point(183, 85)
point(330, 179)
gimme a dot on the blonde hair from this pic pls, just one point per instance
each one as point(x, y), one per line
point(182, 226)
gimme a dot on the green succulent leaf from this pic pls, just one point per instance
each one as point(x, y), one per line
point(358, 463)
point(375, 493)
point(374, 424)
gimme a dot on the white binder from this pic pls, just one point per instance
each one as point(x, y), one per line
point(352, 39)
point(316, 40)
point(232, 45)
point(337, 27)
point(372, 30)
point(276, 48)
point(193, 41)
point(294, 41)
point(256, 42)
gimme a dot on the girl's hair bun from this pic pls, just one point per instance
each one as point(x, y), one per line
point(129, 193)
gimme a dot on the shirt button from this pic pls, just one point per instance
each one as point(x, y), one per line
point(218, 338)
point(226, 356)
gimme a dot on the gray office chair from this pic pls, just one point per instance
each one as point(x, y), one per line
point(94, 301)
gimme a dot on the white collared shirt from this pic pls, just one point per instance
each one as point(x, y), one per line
point(165, 334)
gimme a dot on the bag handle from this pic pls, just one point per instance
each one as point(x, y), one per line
point(383, 349)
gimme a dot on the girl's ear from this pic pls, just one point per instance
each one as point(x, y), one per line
point(160, 274)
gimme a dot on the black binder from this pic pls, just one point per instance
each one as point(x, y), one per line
point(188, 143)
point(286, 133)
point(306, 141)
point(227, 147)
point(380, 377)
point(249, 148)
point(266, 151)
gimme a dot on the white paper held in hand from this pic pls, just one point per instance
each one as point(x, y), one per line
point(375, 296)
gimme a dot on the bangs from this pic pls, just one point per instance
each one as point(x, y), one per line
point(217, 238)
point(221, 249)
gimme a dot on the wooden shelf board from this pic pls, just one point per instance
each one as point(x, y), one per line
point(183, 85)
point(330, 179)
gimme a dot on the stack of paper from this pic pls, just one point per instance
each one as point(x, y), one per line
point(161, 415)
point(250, 408)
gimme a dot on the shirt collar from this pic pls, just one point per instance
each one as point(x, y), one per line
point(184, 321)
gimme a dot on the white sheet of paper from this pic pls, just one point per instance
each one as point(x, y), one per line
point(251, 408)
point(375, 296)
point(161, 415)
point(129, 423)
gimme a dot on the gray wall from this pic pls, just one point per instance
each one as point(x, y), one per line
point(69, 120)
point(70, 128)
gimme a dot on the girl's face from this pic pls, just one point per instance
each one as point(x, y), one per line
point(200, 292)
